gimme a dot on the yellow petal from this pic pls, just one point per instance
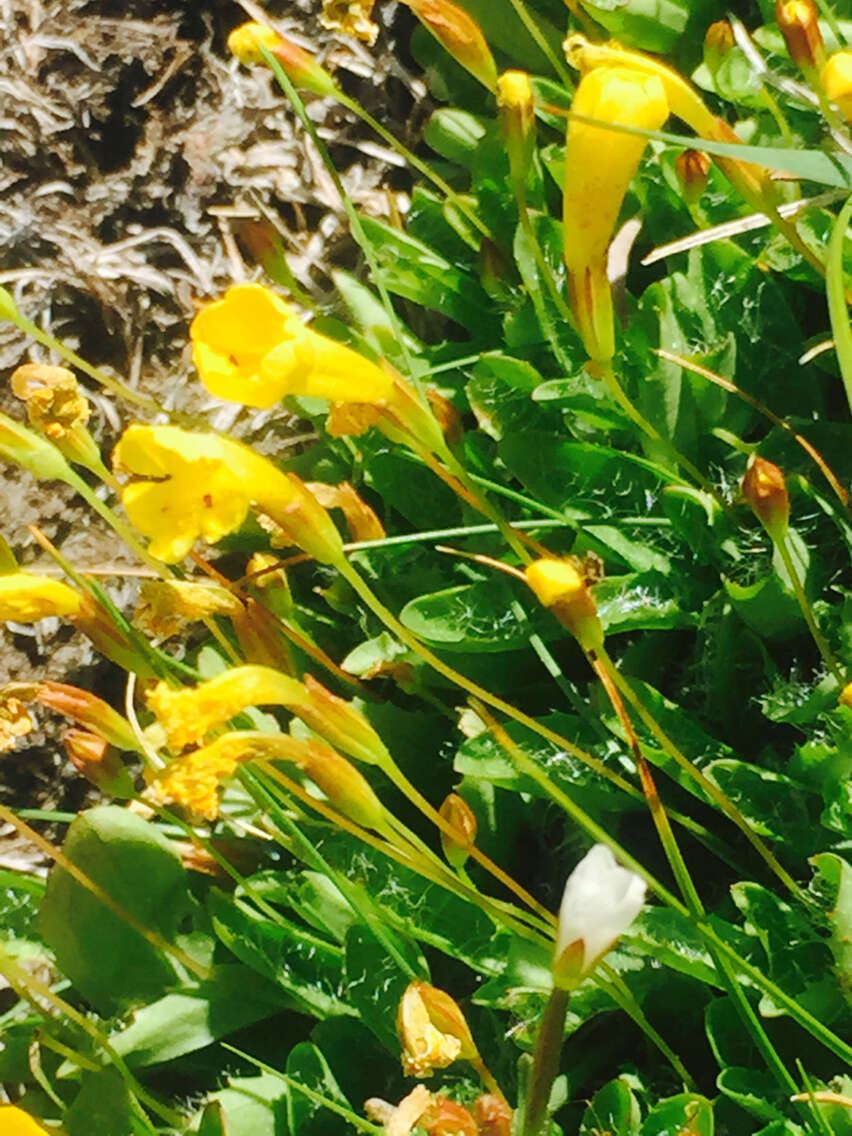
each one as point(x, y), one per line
point(25, 597)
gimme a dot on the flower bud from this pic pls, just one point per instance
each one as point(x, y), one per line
point(493, 1115)
point(836, 80)
point(692, 168)
point(299, 65)
point(600, 901)
point(432, 1029)
point(799, 23)
point(560, 587)
point(58, 410)
point(265, 574)
point(718, 41)
point(25, 448)
point(845, 698)
point(260, 639)
point(98, 762)
point(347, 790)
point(361, 519)
point(765, 489)
point(460, 34)
point(516, 103)
point(457, 812)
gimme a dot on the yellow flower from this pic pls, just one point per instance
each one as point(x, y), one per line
point(836, 79)
point(15, 1122)
point(193, 782)
point(201, 485)
point(599, 166)
point(251, 347)
point(25, 597)
point(351, 17)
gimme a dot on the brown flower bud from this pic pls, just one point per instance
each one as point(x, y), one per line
point(692, 168)
point(457, 812)
point(98, 762)
point(765, 490)
point(799, 23)
point(87, 710)
point(460, 34)
point(718, 40)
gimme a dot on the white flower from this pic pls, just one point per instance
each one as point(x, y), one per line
point(601, 900)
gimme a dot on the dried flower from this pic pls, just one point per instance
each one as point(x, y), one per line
point(765, 489)
point(251, 347)
point(599, 166)
point(559, 586)
point(86, 709)
point(189, 714)
point(299, 65)
point(836, 80)
point(59, 410)
point(460, 34)
point(15, 722)
point(404, 1117)
point(799, 23)
point(193, 782)
point(25, 597)
point(445, 1117)
point(493, 1115)
point(460, 816)
point(202, 485)
point(361, 519)
point(432, 1029)
point(15, 1122)
point(352, 17)
point(165, 605)
point(600, 901)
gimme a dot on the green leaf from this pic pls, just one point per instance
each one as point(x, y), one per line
point(652, 25)
point(375, 982)
point(834, 882)
point(641, 601)
point(305, 1117)
point(687, 1114)
point(754, 1090)
point(476, 617)
point(187, 1021)
point(614, 1110)
point(252, 1106)
point(103, 1107)
point(777, 807)
point(306, 967)
point(417, 272)
point(213, 1120)
point(110, 963)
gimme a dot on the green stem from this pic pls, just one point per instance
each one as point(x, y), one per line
point(712, 790)
point(485, 507)
point(535, 32)
point(416, 163)
point(618, 393)
point(836, 293)
point(806, 609)
point(548, 1050)
point(362, 589)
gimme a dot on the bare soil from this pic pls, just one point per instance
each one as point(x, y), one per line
point(132, 145)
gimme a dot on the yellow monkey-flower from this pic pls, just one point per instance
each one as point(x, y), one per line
point(599, 166)
point(251, 347)
point(201, 485)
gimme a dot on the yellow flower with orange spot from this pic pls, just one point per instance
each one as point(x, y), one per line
point(25, 597)
point(201, 485)
point(251, 347)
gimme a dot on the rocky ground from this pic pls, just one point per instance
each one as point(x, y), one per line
point(134, 151)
